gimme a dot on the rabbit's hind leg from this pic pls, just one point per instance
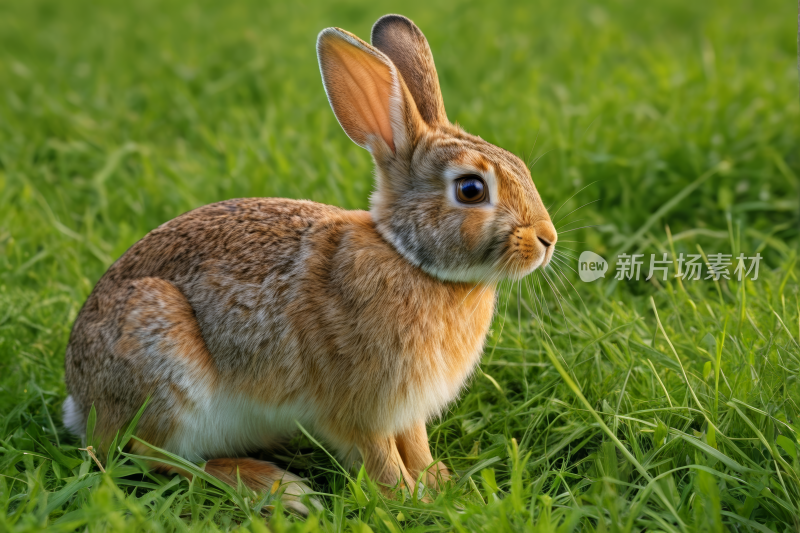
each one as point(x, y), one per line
point(260, 477)
point(134, 340)
point(161, 347)
point(160, 330)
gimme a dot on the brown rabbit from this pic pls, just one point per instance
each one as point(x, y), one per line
point(242, 317)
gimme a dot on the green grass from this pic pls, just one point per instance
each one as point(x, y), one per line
point(586, 414)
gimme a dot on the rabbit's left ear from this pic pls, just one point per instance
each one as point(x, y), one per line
point(366, 93)
point(403, 42)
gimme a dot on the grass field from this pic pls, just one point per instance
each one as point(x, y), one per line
point(605, 406)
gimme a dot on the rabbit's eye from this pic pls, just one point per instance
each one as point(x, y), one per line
point(470, 190)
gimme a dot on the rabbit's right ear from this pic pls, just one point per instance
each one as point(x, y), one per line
point(405, 45)
point(366, 92)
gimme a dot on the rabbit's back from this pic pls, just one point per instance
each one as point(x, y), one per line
point(234, 262)
point(242, 240)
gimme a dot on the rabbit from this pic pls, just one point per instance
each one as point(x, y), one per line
point(242, 318)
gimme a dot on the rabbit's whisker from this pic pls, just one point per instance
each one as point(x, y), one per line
point(545, 335)
point(544, 300)
point(538, 158)
point(570, 222)
point(570, 253)
point(564, 263)
point(564, 259)
point(557, 294)
point(485, 287)
point(525, 303)
point(530, 154)
point(571, 197)
point(502, 324)
point(519, 308)
point(478, 302)
point(508, 296)
point(532, 286)
point(573, 286)
point(582, 227)
point(574, 210)
point(555, 271)
point(479, 282)
point(487, 278)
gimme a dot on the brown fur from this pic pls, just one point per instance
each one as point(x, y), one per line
point(406, 46)
point(240, 317)
point(412, 445)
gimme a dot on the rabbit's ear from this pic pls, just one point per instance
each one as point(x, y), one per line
point(403, 42)
point(365, 91)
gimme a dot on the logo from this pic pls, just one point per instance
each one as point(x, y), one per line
point(591, 266)
point(689, 267)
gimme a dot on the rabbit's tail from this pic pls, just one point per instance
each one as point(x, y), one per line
point(73, 418)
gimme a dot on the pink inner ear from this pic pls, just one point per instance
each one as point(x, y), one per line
point(360, 87)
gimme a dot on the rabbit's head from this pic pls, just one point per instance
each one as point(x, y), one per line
point(451, 203)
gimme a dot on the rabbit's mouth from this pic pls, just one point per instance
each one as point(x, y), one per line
point(529, 248)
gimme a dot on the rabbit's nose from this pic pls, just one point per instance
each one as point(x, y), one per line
point(546, 233)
